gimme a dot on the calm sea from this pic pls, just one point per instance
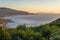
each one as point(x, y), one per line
point(31, 20)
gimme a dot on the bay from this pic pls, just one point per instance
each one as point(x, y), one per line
point(31, 20)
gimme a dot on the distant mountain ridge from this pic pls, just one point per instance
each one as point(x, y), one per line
point(8, 12)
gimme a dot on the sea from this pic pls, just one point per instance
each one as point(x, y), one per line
point(31, 20)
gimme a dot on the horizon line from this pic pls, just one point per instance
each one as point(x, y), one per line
point(33, 12)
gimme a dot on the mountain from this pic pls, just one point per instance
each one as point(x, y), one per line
point(8, 12)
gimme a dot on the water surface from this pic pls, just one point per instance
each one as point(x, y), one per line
point(31, 20)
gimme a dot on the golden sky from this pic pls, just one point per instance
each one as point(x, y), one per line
point(47, 6)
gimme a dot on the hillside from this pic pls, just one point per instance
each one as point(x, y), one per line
point(55, 22)
point(8, 12)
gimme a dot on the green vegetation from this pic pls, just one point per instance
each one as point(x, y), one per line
point(49, 31)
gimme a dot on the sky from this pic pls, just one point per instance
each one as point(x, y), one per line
point(33, 5)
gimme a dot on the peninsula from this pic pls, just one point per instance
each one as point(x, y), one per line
point(10, 12)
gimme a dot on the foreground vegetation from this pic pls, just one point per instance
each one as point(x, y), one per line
point(49, 31)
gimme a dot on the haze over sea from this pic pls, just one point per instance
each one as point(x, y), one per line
point(31, 20)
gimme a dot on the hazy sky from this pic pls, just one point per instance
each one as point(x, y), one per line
point(32, 5)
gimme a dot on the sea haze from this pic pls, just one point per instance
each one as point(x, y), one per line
point(31, 20)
